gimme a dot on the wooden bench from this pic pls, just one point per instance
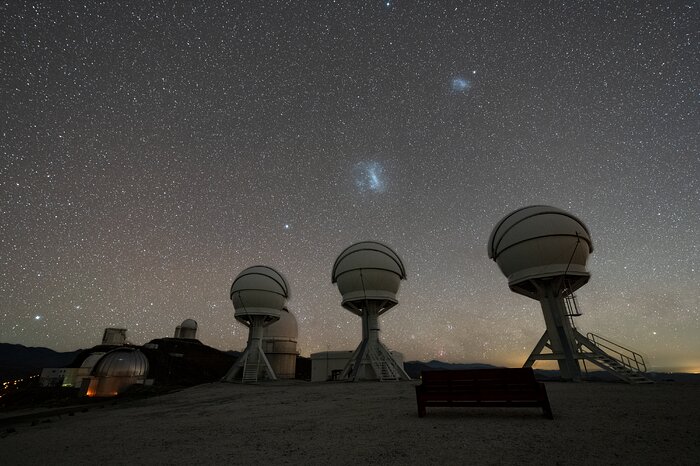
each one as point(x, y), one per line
point(482, 388)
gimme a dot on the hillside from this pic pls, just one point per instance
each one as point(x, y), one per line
point(19, 360)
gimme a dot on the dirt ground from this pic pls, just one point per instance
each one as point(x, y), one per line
point(296, 422)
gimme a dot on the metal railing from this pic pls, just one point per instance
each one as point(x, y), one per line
point(625, 356)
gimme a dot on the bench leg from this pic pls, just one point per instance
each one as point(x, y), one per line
point(546, 408)
point(547, 411)
point(421, 410)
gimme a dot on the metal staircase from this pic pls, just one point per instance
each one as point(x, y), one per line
point(614, 358)
point(250, 367)
point(622, 362)
point(383, 366)
point(250, 370)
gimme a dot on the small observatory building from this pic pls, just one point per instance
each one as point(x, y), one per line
point(114, 336)
point(116, 371)
point(187, 329)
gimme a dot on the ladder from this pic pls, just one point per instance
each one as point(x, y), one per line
point(572, 307)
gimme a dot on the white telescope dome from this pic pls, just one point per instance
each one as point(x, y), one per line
point(121, 362)
point(539, 242)
point(258, 290)
point(189, 324)
point(368, 271)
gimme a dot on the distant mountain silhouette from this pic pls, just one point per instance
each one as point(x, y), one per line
point(414, 368)
point(674, 377)
point(19, 360)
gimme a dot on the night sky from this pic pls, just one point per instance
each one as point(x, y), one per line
point(150, 151)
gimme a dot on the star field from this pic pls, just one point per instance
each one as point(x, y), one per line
point(150, 151)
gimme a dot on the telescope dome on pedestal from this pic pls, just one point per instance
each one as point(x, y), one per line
point(259, 294)
point(543, 252)
point(539, 242)
point(368, 271)
point(368, 275)
point(258, 291)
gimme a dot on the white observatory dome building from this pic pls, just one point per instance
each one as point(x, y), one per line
point(187, 329)
point(368, 275)
point(543, 251)
point(259, 294)
point(114, 336)
point(280, 345)
point(115, 371)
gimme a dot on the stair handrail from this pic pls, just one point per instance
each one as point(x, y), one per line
point(626, 356)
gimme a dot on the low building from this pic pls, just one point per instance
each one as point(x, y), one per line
point(329, 365)
point(57, 376)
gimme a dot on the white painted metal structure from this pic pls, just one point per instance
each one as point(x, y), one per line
point(280, 345)
point(368, 275)
point(258, 294)
point(187, 329)
point(543, 252)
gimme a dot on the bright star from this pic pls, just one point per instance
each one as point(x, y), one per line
point(37, 317)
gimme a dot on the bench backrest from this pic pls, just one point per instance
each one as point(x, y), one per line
point(519, 375)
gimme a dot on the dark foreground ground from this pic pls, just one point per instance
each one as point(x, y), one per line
point(344, 423)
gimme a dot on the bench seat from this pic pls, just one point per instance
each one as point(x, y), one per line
point(482, 388)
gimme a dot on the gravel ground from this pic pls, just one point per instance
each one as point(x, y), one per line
point(292, 422)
